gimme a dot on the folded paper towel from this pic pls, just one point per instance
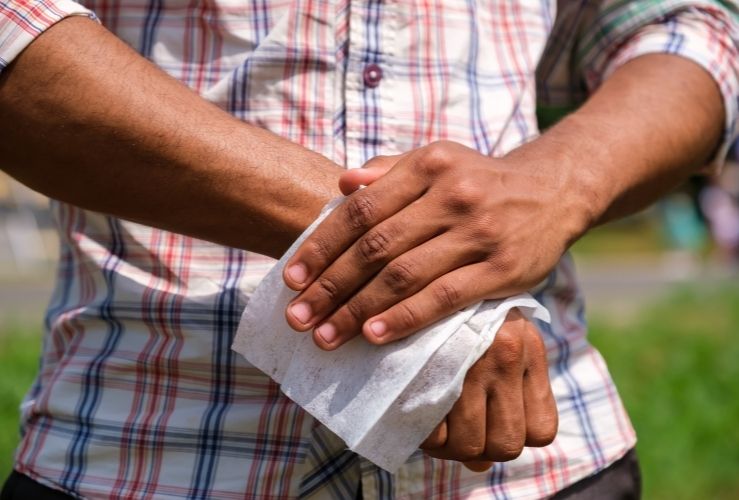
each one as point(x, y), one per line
point(383, 401)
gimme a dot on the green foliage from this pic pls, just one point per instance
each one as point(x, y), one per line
point(19, 350)
point(676, 365)
point(677, 368)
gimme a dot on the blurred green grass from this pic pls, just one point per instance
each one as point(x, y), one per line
point(635, 235)
point(676, 364)
point(19, 350)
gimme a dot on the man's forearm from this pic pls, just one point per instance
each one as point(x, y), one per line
point(86, 120)
point(654, 123)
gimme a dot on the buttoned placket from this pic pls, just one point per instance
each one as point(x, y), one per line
point(368, 85)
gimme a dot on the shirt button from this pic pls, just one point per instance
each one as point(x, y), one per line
point(372, 75)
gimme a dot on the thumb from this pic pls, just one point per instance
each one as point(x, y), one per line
point(352, 179)
point(375, 168)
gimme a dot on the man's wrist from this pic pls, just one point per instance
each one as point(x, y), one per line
point(557, 162)
point(651, 125)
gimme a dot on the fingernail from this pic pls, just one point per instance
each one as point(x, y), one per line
point(327, 332)
point(301, 311)
point(298, 273)
point(378, 328)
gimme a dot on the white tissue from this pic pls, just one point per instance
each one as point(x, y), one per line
point(383, 401)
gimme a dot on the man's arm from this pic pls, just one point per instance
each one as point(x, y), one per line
point(447, 226)
point(124, 138)
point(86, 120)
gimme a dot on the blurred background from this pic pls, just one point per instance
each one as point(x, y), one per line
point(663, 290)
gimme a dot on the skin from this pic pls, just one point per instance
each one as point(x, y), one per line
point(506, 401)
point(446, 227)
point(139, 145)
point(152, 136)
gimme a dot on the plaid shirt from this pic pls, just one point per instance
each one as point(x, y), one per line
point(139, 394)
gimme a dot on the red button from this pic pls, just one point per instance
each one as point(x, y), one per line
point(372, 75)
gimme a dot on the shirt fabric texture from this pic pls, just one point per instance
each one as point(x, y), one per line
point(139, 394)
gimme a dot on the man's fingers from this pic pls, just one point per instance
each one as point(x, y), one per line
point(437, 438)
point(398, 280)
point(358, 213)
point(509, 388)
point(439, 299)
point(355, 267)
point(539, 403)
point(465, 427)
point(466, 423)
point(506, 426)
point(506, 422)
point(506, 402)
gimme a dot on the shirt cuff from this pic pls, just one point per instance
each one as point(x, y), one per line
point(21, 21)
point(703, 36)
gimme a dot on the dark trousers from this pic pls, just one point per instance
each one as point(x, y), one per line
point(620, 481)
point(19, 486)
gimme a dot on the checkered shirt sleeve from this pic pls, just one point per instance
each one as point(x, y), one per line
point(21, 21)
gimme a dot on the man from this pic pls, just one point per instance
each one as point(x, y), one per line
point(138, 393)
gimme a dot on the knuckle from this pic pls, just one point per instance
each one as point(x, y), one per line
point(399, 276)
point(320, 247)
point(435, 440)
point(508, 455)
point(407, 317)
point(479, 376)
point(483, 233)
point(438, 436)
point(501, 263)
point(543, 430)
point(328, 287)
point(508, 352)
point(360, 211)
point(535, 345)
point(505, 450)
point(505, 257)
point(355, 310)
point(470, 451)
point(435, 158)
point(464, 197)
point(541, 438)
point(447, 296)
point(374, 246)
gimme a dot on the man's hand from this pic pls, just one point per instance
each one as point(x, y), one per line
point(506, 402)
point(444, 228)
point(448, 226)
